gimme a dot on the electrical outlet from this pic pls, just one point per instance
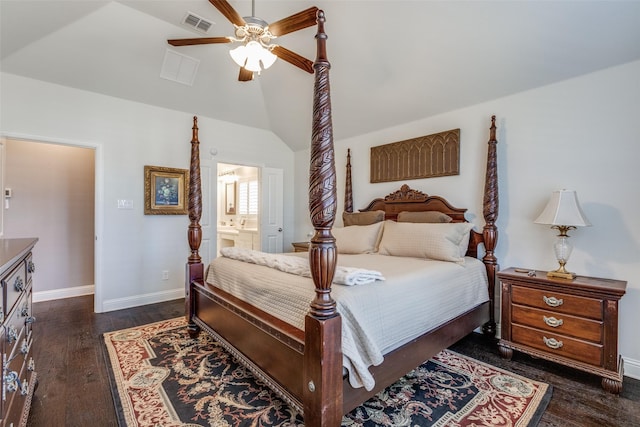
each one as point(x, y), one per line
point(165, 274)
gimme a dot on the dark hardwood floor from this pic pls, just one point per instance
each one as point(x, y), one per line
point(74, 387)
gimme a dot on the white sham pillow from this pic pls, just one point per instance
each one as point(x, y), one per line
point(439, 241)
point(358, 239)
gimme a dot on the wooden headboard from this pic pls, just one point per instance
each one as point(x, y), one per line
point(407, 199)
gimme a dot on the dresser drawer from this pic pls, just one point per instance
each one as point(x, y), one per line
point(18, 395)
point(559, 323)
point(558, 345)
point(558, 302)
point(15, 284)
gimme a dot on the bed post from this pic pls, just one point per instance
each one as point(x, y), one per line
point(194, 268)
point(490, 231)
point(322, 370)
point(348, 190)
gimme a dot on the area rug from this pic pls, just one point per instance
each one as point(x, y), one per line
point(162, 377)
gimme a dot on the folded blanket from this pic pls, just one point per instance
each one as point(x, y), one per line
point(348, 276)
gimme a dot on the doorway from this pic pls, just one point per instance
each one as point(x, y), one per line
point(238, 206)
point(53, 198)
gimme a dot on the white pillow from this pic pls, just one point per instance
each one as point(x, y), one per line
point(440, 241)
point(358, 239)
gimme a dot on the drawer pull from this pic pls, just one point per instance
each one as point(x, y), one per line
point(552, 301)
point(24, 389)
point(11, 381)
point(31, 366)
point(29, 320)
point(552, 321)
point(12, 334)
point(18, 284)
point(26, 345)
point(31, 267)
point(552, 343)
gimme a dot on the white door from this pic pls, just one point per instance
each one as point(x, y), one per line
point(271, 209)
point(208, 180)
point(2, 208)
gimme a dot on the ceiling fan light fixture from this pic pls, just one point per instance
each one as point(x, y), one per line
point(253, 56)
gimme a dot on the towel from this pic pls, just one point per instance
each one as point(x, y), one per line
point(348, 276)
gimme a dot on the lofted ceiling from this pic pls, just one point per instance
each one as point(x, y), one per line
point(392, 61)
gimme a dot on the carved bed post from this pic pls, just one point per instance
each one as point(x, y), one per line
point(195, 270)
point(322, 379)
point(348, 189)
point(490, 231)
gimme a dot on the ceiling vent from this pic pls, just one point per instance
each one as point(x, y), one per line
point(179, 68)
point(197, 22)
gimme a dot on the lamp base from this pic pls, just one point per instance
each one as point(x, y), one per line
point(562, 274)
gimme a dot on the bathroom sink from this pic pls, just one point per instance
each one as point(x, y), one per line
point(227, 229)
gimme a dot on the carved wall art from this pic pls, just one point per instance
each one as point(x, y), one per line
point(422, 157)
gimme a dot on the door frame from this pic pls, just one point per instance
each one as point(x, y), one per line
point(98, 195)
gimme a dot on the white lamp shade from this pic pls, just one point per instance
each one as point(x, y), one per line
point(239, 55)
point(253, 56)
point(563, 209)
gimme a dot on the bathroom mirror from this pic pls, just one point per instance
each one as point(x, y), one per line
point(230, 198)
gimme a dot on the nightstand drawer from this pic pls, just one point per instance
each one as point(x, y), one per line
point(558, 302)
point(559, 323)
point(300, 246)
point(558, 345)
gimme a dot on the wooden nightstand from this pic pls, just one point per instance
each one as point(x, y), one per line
point(300, 246)
point(572, 322)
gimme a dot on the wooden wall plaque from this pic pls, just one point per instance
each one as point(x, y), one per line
point(422, 157)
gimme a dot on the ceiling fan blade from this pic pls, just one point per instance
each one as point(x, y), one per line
point(200, 40)
point(245, 75)
point(228, 11)
point(296, 22)
point(293, 58)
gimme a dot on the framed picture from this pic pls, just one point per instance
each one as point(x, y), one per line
point(230, 198)
point(165, 190)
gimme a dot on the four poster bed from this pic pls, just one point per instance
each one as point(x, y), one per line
point(302, 359)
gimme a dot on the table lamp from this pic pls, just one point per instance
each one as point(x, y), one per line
point(563, 213)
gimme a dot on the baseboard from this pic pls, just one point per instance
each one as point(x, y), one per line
point(138, 300)
point(75, 291)
point(109, 305)
point(631, 368)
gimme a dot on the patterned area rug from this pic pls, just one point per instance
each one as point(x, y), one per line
point(162, 377)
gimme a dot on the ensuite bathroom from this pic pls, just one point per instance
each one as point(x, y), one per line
point(238, 206)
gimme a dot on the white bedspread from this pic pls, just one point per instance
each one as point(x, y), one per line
point(417, 296)
point(348, 276)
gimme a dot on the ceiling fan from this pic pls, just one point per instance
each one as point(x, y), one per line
point(256, 51)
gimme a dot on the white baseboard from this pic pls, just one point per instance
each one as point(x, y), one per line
point(138, 300)
point(631, 368)
point(110, 305)
point(75, 291)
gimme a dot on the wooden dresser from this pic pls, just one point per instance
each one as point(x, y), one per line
point(572, 322)
point(19, 377)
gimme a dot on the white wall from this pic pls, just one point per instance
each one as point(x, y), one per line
point(581, 134)
point(133, 249)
